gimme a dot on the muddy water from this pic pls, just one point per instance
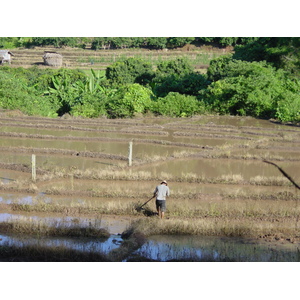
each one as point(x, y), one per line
point(107, 132)
point(47, 161)
point(202, 131)
point(213, 168)
point(109, 147)
point(147, 188)
point(196, 248)
point(9, 176)
point(179, 248)
point(270, 153)
point(193, 195)
point(233, 121)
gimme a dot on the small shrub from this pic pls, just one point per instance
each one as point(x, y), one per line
point(178, 105)
point(129, 100)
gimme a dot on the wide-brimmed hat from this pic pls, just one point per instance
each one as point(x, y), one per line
point(165, 182)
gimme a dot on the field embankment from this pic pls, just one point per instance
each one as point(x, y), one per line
point(86, 59)
point(214, 165)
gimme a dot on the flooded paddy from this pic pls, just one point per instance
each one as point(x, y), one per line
point(101, 146)
point(171, 248)
point(214, 166)
point(168, 248)
point(63, 161)
point(9, 176)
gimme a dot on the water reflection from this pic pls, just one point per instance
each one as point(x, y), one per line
point(173, 248)
point(194, 248)
point(80, 244)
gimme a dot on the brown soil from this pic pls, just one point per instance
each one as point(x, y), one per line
point(168, 133)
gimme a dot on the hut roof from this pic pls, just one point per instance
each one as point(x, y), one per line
point(52, 58)
point(6, 52)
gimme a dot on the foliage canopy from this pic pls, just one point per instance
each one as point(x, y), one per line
point(260, 79)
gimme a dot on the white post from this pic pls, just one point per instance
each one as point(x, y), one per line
point(130, 154)
point(33, 164)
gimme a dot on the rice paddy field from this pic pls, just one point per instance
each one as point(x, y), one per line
point(81, 203)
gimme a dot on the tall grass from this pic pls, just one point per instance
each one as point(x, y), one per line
point(216, 227)
point(42, 228)
point(194, 58)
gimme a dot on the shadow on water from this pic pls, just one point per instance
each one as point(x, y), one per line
point(163, 248)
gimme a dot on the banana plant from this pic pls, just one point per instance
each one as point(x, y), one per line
point(64, 92)
point(91, 85)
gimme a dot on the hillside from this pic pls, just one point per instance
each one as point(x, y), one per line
point(86, 58)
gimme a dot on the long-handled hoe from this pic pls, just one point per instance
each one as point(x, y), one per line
point(147, 211)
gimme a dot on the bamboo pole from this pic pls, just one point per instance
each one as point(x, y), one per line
point(33, 164)
point(130, 154)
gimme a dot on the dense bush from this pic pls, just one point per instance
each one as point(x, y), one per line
point(56, 41)
point(90, 106)
point(281, 52)
point(216, 67)
point(177, 76)
point(131, 70)
point(15, 94)
point(188, 84)
point(122, 42)
point(260, 79)
point(288, 107)
point(178, 105)
point(256, 89)
point(129, 100)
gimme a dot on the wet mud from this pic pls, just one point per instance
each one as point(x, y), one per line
point(209, 161)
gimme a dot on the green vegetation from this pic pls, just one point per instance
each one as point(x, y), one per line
point(261, 79)
point(97, 43)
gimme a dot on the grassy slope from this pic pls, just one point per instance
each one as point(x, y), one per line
point(87, 58)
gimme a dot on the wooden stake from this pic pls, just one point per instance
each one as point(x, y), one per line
point(130, 154)
point(33, 163)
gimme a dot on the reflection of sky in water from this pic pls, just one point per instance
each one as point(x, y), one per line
point(82, 244)
point(212, 249)
point(215, 249)
point(164, 251)
point(41, 198)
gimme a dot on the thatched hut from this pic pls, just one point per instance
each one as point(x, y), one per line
point(52, 59)
point(5, 56)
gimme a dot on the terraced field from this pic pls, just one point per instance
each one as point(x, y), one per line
point(101, 59)
point(214, 166)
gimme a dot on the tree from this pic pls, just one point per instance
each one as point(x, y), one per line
point(177, 105)
point(188, 84)
point(129, 100)
point(131, 70)
point(256, 89)
point(174, 42)
point(156, 42)
point(177, 66)
point(177, 76)
point(216, 67)
point(281, 52)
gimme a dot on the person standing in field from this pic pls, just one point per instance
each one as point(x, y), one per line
point(161, 192)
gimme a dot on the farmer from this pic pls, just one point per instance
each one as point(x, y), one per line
point(161, 192)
